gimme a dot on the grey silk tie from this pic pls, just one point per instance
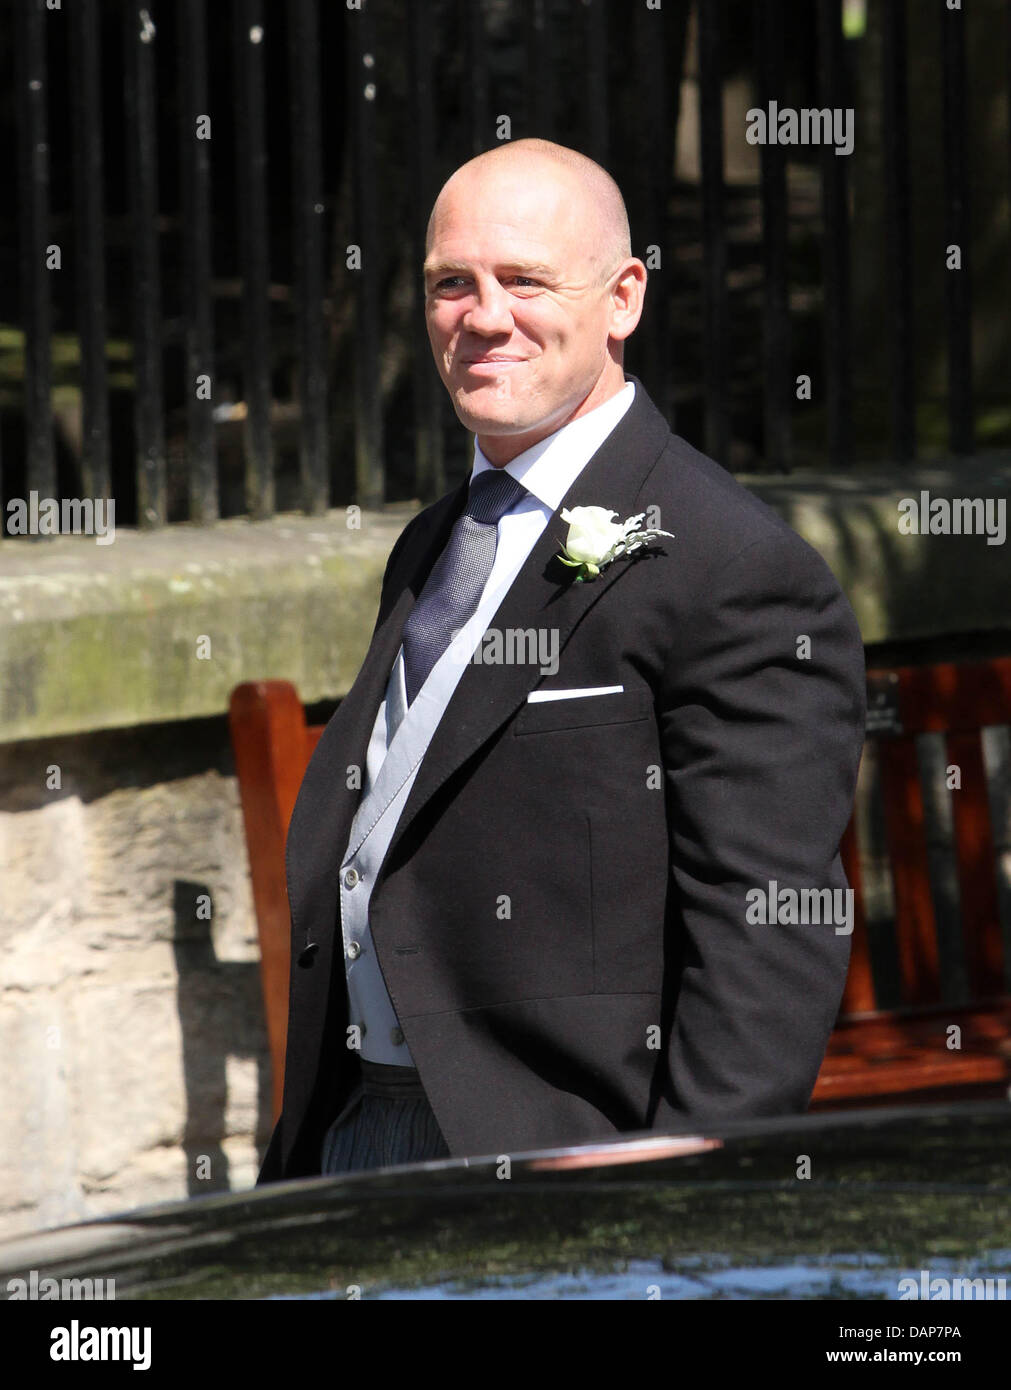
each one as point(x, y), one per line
point(453, 589)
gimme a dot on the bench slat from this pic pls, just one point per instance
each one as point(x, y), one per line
point(915, 929)
point(981, 934)
point(271, 748)
point(899, 1052)
point(859, 995)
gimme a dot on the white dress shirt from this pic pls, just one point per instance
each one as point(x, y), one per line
point(547, 470)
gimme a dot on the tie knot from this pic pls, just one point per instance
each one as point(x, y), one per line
point(492, 493)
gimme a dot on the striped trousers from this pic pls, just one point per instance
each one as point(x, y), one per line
point(386, 1121)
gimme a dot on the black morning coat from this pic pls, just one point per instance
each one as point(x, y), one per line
point(562, 916)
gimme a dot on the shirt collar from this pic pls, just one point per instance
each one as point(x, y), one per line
point(549, 468)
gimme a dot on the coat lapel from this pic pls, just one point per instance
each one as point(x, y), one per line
point(325, 807)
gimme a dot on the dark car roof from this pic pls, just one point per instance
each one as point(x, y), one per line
point(836, 1205)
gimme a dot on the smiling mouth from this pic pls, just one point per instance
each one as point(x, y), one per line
point(492, 361)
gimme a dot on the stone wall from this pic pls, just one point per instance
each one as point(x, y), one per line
point(136, 1064)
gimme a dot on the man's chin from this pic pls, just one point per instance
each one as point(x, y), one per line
point(479, 420)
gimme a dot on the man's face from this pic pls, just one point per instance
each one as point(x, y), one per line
point(517, 324)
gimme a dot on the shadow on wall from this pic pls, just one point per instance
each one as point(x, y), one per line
point(216, 1000)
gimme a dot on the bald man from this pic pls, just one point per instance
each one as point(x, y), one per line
point(612, 709)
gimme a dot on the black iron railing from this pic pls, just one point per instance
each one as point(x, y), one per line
point(228, 163)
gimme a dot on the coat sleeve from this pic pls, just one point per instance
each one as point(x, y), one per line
point(761, 726)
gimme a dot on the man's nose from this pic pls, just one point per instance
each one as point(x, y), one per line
point(489, 310)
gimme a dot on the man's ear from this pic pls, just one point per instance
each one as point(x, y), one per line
point(626, 298)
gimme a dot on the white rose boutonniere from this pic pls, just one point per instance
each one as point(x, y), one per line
point(595, 539)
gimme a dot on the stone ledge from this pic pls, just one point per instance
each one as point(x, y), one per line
point(105, 636)
point(902, 587)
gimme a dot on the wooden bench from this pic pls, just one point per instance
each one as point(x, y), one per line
point(272, 744)
point(875, 1056)
point(880, 1056)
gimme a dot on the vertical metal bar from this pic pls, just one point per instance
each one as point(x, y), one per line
point(958, 282)
point(86, 93)
point(250, 36)
point(770, 26)
point(678, 38)
point(33, 201)
point(370, 473)
point(662, 186)
point(716, 316)
point(898, 228)
point(481, 132)
point(595, 105)
point(307, 169)
point(429, 463)
point(540, 74)
point(142, 176)
point(835, 217)
point(654, 171)
point(196, 230)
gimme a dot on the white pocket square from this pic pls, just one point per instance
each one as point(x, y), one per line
point(537, 695)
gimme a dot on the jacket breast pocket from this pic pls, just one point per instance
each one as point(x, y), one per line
point(582, 711)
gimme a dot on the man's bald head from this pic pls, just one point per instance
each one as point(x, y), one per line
point(596, 198)
point(530, 291)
